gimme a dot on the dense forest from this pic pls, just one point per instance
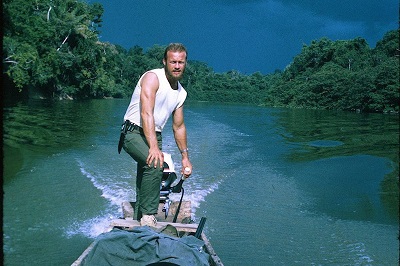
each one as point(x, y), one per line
point(51, 49)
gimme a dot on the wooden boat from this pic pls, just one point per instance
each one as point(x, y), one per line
point(182, 225)
point(177, 214)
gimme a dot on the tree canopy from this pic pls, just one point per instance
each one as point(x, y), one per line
point(51, 49)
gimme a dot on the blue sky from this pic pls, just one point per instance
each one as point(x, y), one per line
point(247, 36)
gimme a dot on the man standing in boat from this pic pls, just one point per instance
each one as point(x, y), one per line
point(157, 95)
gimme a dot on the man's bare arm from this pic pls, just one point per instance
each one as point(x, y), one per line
point(149, 85)
point(180, 135)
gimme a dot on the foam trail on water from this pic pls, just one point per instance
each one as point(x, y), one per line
point(114, 193)
point(196, 196)
point(91, 228)
point(112, 190)
point(117, 190)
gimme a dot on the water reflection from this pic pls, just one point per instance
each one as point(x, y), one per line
point(317, 135)
point(373, 134)
point(44, 123)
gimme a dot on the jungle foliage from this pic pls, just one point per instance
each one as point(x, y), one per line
point(51, 49)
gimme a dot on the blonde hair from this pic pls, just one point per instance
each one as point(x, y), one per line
point(174, 47)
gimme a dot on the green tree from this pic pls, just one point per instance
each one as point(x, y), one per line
point(341, 75)
point(41, 43)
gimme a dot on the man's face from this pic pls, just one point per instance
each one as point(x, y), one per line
point(175, 65)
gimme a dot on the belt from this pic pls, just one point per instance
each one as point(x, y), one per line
point(128, 126)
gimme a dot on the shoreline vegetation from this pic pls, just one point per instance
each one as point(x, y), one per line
point(58, 55)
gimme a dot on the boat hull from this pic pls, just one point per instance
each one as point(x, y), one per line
point(183, 225)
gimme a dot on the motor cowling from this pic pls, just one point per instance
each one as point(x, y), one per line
point(168, 177)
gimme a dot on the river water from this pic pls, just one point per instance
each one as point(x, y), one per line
point(277, 186)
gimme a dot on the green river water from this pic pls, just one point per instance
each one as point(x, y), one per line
point(277, 186)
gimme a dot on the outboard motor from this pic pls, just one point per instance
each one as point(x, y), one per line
point(167, 181)
point(167, 186)
point(168, 177)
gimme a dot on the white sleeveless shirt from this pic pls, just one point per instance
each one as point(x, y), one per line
point(167, 100)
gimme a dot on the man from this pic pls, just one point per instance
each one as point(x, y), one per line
point(157, 95)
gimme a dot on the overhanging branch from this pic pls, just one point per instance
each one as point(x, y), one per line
point(48, 13)
point(66, 38)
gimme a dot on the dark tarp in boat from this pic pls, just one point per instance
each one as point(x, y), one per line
point(144, 246)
